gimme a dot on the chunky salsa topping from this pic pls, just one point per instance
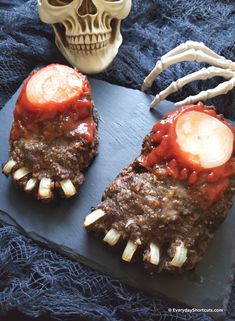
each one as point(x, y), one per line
point(189, 146)
point(55, 101)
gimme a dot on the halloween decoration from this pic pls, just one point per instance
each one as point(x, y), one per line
point(87, 32)
point(193, 51)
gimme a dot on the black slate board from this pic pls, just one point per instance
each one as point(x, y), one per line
point(124, 121)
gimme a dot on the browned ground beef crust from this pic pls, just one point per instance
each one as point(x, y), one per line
point(59, 159)
point(144, 207)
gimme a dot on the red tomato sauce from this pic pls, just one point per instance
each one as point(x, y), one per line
point(71, 119)
point(165, 159)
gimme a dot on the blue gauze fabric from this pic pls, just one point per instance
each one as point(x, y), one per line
point(35, 280)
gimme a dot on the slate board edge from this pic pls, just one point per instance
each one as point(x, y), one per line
point(6, 219)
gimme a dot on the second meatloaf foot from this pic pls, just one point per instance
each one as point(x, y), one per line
point(159, 218)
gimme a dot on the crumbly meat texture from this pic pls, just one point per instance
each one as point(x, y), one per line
point(161, 211)
point(59, 159)
point(144, 205)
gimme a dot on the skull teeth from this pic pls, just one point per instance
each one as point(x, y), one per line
point(89, 41)
point(88, 47)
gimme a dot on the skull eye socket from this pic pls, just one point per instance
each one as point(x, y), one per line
point(59, 2)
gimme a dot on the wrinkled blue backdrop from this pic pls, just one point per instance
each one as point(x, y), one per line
point(35, 280)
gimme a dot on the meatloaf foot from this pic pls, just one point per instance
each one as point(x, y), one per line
point(166, 205)
point(159, 218)
point(53, 138)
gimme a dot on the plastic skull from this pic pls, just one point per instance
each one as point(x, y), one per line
point(87, 32)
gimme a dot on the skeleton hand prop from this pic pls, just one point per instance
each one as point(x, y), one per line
point(193, 51)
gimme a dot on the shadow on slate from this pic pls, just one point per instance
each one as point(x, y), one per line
point(124, 121)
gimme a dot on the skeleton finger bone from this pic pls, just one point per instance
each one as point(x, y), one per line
point(204, 73)
point(188, 55)
point(221, 89)
point(192, 45)
point(193, 51)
